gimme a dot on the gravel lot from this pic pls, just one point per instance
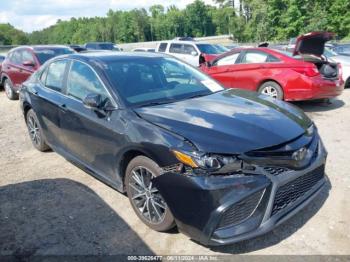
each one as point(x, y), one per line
point(49, 206)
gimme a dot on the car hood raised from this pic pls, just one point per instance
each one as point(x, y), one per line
point(230, 122)
point(312, 43)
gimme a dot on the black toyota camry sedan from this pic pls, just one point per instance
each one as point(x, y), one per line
point(221, 165)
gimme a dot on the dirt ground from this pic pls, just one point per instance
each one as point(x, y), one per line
point(50, 207)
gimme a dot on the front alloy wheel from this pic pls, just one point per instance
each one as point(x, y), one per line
point(35, 132)
point(144, 197)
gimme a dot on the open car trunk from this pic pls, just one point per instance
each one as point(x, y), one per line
point(311, 47)
point(328, 70)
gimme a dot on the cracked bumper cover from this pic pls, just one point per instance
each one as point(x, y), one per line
point(199, 203)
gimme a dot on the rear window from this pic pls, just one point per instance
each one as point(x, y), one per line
point(105, 46)
point(45, 54)
point(254, 58)
point(162, 47)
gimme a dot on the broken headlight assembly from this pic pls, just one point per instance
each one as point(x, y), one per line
point(210, 162)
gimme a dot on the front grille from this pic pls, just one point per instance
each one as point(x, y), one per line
point(171, 169)
point(242, 210)
point(295, 189)
point(275, 171)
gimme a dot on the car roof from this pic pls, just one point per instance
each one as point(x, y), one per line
point(100, 43)
point(111, 56)
point(183, 42)
point(39, 47)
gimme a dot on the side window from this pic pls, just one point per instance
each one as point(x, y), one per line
point(55, 75)
point(175, 48)
point(254, 57)
point(27, 56)
point(188, 49)
point(16, 58)
point(162, 47)
point(272, 59)
point(83, 81)
point(227, 60)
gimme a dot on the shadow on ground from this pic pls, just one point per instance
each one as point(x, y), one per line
point(61, 217)
point(319, 106)
point(283, 231)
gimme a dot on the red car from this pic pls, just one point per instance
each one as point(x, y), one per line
point(303, 75)
point(21, 62)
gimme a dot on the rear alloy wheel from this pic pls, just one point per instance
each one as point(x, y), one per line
point(272, 89)
point(144, 197)
point(9, 90)
point(35, 131)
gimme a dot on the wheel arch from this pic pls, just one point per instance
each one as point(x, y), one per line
point(269, 80)
point(125, 159)
point(26, 108)
point(3, 78)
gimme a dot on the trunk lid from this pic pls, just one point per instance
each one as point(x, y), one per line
point(312, 43)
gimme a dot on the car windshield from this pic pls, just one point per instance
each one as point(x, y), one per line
point(208, 49)
point(44, 54)
point(147, 81)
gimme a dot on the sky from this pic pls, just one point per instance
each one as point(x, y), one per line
point(30, 15)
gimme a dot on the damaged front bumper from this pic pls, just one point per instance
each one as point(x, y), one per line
point(224, 209)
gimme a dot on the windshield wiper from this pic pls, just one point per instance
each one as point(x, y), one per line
point(155, 103)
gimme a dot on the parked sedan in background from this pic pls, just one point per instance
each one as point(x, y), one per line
point(222, 165)
point(340, 49)
point(344, 60)
point(279, 75)
point(21, 62)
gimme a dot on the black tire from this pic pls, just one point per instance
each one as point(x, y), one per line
point(35, 131)
point(147, 201)
point(272, 89)
point(10, 93)
point(347, 83)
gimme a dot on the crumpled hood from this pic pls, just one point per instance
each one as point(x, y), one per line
point(230, 122)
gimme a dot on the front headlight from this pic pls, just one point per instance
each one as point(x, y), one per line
point(208, 161)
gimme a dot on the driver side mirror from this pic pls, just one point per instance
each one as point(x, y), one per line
point(95, 102)
point(194, 53)
point(92, 101)
point(28, 63)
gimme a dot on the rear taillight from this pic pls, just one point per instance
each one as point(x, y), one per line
point(307, 71)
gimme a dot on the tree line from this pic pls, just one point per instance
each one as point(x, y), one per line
point(246, 20)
